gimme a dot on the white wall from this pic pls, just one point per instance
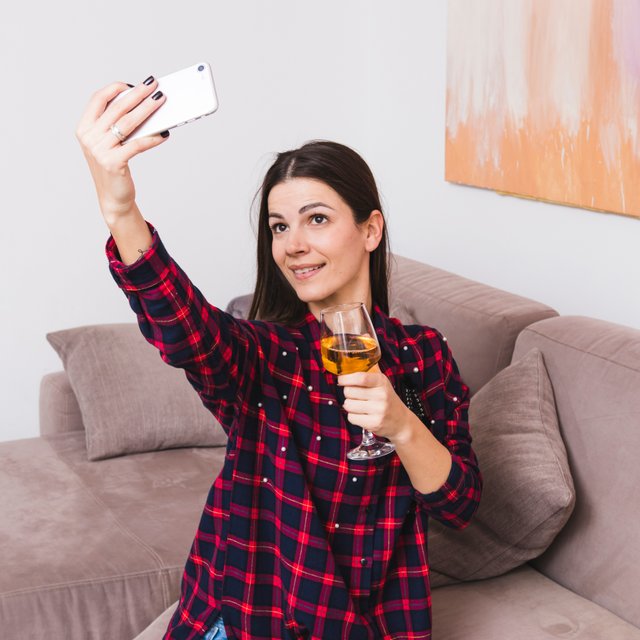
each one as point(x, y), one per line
point(368, 73)
point(577, 261)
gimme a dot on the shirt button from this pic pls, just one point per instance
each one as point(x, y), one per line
point(354, 479)
point(309, 388)
point(284, 397)
point(259, 404)
point(363, 562)
point(433, 422)
point(330, 403)
point(318, 438)
point(337, 525)
point(283, 449)
point(444, 339)
point(265, 479)
point(415, 369)
point(405, 347)
point(284, 353)
point(455, 398)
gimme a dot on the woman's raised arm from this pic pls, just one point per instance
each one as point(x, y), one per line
point(105, 123)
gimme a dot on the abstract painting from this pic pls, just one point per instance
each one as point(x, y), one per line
point(543, 100)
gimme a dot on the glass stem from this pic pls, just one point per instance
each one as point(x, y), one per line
point(367, 438)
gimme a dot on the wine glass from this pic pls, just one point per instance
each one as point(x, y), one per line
point(348, 343)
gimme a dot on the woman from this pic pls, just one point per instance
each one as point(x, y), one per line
point(295, 541)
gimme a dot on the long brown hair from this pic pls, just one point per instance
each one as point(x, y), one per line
point(348, 174)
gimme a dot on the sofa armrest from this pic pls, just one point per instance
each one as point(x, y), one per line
point(59, 410)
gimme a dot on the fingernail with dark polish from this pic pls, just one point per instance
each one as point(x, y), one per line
point(129, 85)
point(157, 95)
point(164, 134)
point(148, 81)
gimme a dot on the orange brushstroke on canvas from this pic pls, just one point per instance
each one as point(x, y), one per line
point(540, 159)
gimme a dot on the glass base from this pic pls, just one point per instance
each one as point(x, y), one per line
point(368, 451)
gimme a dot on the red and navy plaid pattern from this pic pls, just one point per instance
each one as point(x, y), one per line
point(295, 540)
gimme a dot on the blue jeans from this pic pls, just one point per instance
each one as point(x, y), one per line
point(217, 631)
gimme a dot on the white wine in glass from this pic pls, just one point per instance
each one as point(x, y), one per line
point(348, 343)
point(346, 353)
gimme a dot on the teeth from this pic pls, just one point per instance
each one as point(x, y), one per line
point(306, 270)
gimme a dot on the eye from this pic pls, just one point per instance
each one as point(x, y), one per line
point(318, 218)
point(278, 227)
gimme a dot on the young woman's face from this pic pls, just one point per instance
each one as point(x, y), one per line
point(318, 246)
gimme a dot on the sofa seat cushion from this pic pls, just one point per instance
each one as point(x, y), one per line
point(95, 549)
point(522, 604)
point(156, 630)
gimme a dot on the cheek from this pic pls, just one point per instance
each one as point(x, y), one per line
point(351, 249)
point(279, 255)
point(347, 261)
point(345, 243)
point(276, 253)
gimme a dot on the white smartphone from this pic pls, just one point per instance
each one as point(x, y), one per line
point(191, 95)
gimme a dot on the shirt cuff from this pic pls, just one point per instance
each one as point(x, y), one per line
point(450, 492)
point(148, 271)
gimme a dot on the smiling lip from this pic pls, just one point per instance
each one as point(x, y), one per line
point(305, 271)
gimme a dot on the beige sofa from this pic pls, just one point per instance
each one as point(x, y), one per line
point(94, 549)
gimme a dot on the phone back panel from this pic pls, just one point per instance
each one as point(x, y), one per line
point(190, 95)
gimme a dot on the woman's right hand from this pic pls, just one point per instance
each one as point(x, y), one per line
point(107, 157)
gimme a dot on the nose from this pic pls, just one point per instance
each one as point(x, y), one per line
point(296, 242)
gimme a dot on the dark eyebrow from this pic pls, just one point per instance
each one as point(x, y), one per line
point(313, 205)
point(304, 209)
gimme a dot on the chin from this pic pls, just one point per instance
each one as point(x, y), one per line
point(308, 297)
point(316, 294)
point(319, 301)
point(306, 294)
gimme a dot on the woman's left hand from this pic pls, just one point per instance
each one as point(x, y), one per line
point(372, 403)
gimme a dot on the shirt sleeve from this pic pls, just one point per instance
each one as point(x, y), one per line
point(215, 349)
point(455, 502)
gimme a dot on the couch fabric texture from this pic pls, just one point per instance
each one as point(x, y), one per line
point(521, 605)
point(100, 550)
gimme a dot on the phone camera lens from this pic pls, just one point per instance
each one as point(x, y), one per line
point(201, 67)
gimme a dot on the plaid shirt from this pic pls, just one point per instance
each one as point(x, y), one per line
point(295, 540)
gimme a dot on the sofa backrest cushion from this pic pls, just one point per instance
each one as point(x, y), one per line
point(130, 400)
point(480, 322)
point(594, 368)
point(528, 493)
